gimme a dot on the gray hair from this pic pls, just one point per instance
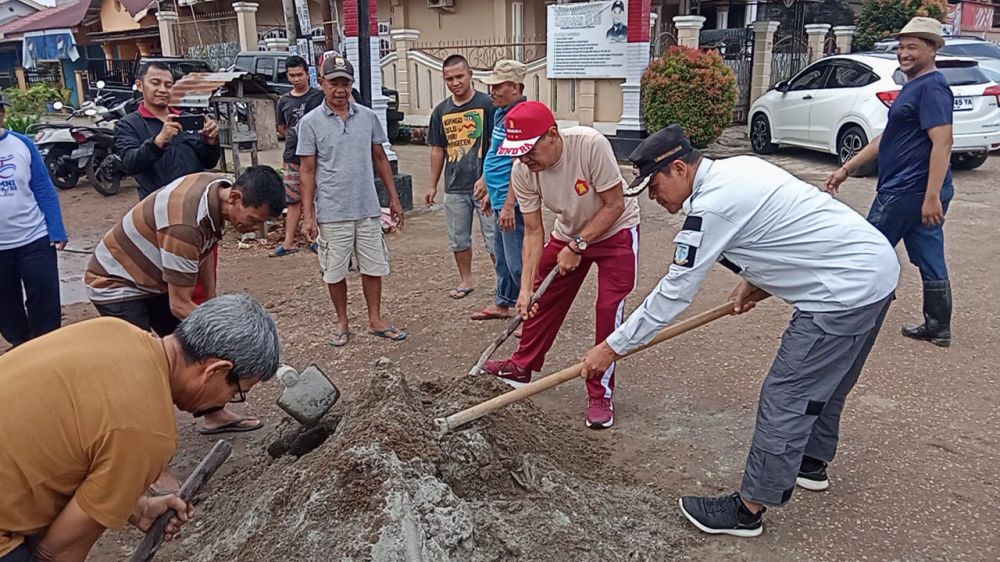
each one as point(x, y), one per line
point(235, 328)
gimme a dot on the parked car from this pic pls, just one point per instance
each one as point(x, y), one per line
point(271, 66)
point(956, 46)
point(839, 103)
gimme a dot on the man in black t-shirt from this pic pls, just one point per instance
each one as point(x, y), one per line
point(291, 107)
point(459, 134)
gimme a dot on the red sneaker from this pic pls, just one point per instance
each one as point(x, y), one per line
point(507, 372)
point(600, 413)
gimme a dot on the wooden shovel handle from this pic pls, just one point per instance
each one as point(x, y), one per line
point(206, 468)
point(479, 410)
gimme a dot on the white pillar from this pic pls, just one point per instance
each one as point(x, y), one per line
point(401, 40)
point(636, 61)
point(817, 40)
point(276, 44)
point(167, 20)
point(722, 18)
point(751, 13)
point(246, 21)
point(845, 36)
point(688, 29)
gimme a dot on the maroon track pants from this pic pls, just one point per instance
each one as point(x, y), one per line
point(617, 262)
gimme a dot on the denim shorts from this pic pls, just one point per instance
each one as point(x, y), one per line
point(458, 209)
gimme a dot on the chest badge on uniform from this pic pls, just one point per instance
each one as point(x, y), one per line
point(682, 255)
point(581, 187)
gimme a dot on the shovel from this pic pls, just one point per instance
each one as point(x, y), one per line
point(456, 420)
point(513, 324)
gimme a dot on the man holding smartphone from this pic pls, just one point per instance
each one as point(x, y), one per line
point(154, 145)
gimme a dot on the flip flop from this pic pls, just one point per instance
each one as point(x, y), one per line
point(341, 339)
point(487, 314)
point(400, 334)
point(460, 293)
point(232, 427)
point(281, 252)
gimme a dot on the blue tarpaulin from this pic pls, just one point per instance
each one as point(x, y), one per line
point(51, 44)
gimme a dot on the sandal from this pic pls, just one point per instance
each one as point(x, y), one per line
point(235, 426)
point(341, 339)
point(487, 314)
point(281, 252)
point(400, 334)
point(460, 292)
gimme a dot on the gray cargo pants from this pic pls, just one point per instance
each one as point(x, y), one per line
point(819, 361)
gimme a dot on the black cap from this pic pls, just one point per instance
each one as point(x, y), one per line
point(656, 152)
point(618, 4)
point(337, 66)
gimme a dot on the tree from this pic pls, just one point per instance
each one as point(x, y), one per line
point(880, 19)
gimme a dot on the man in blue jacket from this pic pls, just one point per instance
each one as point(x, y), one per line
point(151, 143)
point(31, 230)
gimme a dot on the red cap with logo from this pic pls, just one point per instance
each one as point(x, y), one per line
point(526, 123)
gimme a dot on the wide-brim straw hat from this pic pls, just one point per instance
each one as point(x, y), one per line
point(924, 28)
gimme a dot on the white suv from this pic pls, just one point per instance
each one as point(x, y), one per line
point(839, 103)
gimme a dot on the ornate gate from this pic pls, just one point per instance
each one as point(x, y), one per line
point(736, 48)
point(791, 44)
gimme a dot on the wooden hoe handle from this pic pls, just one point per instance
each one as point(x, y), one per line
point(206, 468)
point(459, 419)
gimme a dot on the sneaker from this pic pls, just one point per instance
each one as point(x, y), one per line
point(600, 413)
point(507, 372)
point(725, 515)
point(812, 475)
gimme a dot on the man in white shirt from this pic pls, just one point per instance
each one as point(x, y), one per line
point(784, 238)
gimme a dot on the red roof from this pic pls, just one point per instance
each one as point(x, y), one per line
point(52, 18)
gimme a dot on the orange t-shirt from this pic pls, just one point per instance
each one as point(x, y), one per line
point(570, 188)
point(85, 412)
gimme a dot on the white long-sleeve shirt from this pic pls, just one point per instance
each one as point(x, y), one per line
point(777, 232)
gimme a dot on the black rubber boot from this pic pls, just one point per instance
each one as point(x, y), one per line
point(937, 315)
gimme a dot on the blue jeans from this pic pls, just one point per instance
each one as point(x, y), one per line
point(36, 309)
point(507, 247)
point(898, 216)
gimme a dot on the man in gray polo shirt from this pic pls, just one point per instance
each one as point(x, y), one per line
point(340, 144)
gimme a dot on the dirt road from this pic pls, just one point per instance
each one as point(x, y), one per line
point(916, 476)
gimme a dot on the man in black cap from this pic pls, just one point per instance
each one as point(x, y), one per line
point(786, 238)
point(618, 32)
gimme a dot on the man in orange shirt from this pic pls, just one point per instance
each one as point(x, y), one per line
point(88, 420)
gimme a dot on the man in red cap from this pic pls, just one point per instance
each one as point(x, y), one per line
point(575, 174)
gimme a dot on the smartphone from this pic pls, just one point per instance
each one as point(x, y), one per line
point(191, 122)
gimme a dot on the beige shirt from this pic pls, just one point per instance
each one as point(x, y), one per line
point(570, 188)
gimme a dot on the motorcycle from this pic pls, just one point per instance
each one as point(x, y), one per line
point(69, 149)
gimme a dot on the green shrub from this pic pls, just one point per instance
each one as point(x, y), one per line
point(692, 88)
point(880, 19)
point(21, 123)
point(33, 101)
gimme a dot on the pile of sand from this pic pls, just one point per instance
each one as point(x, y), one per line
point(384, 486)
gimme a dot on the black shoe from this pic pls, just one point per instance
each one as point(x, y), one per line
point(723, 515)
point(937, 315)
point(812, 475)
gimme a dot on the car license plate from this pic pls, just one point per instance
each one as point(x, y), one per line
point(963, 103)
point(82, 152)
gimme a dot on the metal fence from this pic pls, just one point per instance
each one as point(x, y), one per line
point(483, 54)
point(213, 38)
point(118, 72)
point(736, 48)
point(44, 73)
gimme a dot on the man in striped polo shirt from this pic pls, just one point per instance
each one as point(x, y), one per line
point(144, 270)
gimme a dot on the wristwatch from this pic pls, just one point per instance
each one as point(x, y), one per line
point(580, 243)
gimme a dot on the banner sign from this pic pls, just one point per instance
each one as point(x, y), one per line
point(51, 44)
point(587, 40)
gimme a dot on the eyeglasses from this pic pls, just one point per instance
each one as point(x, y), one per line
point(240, 396)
